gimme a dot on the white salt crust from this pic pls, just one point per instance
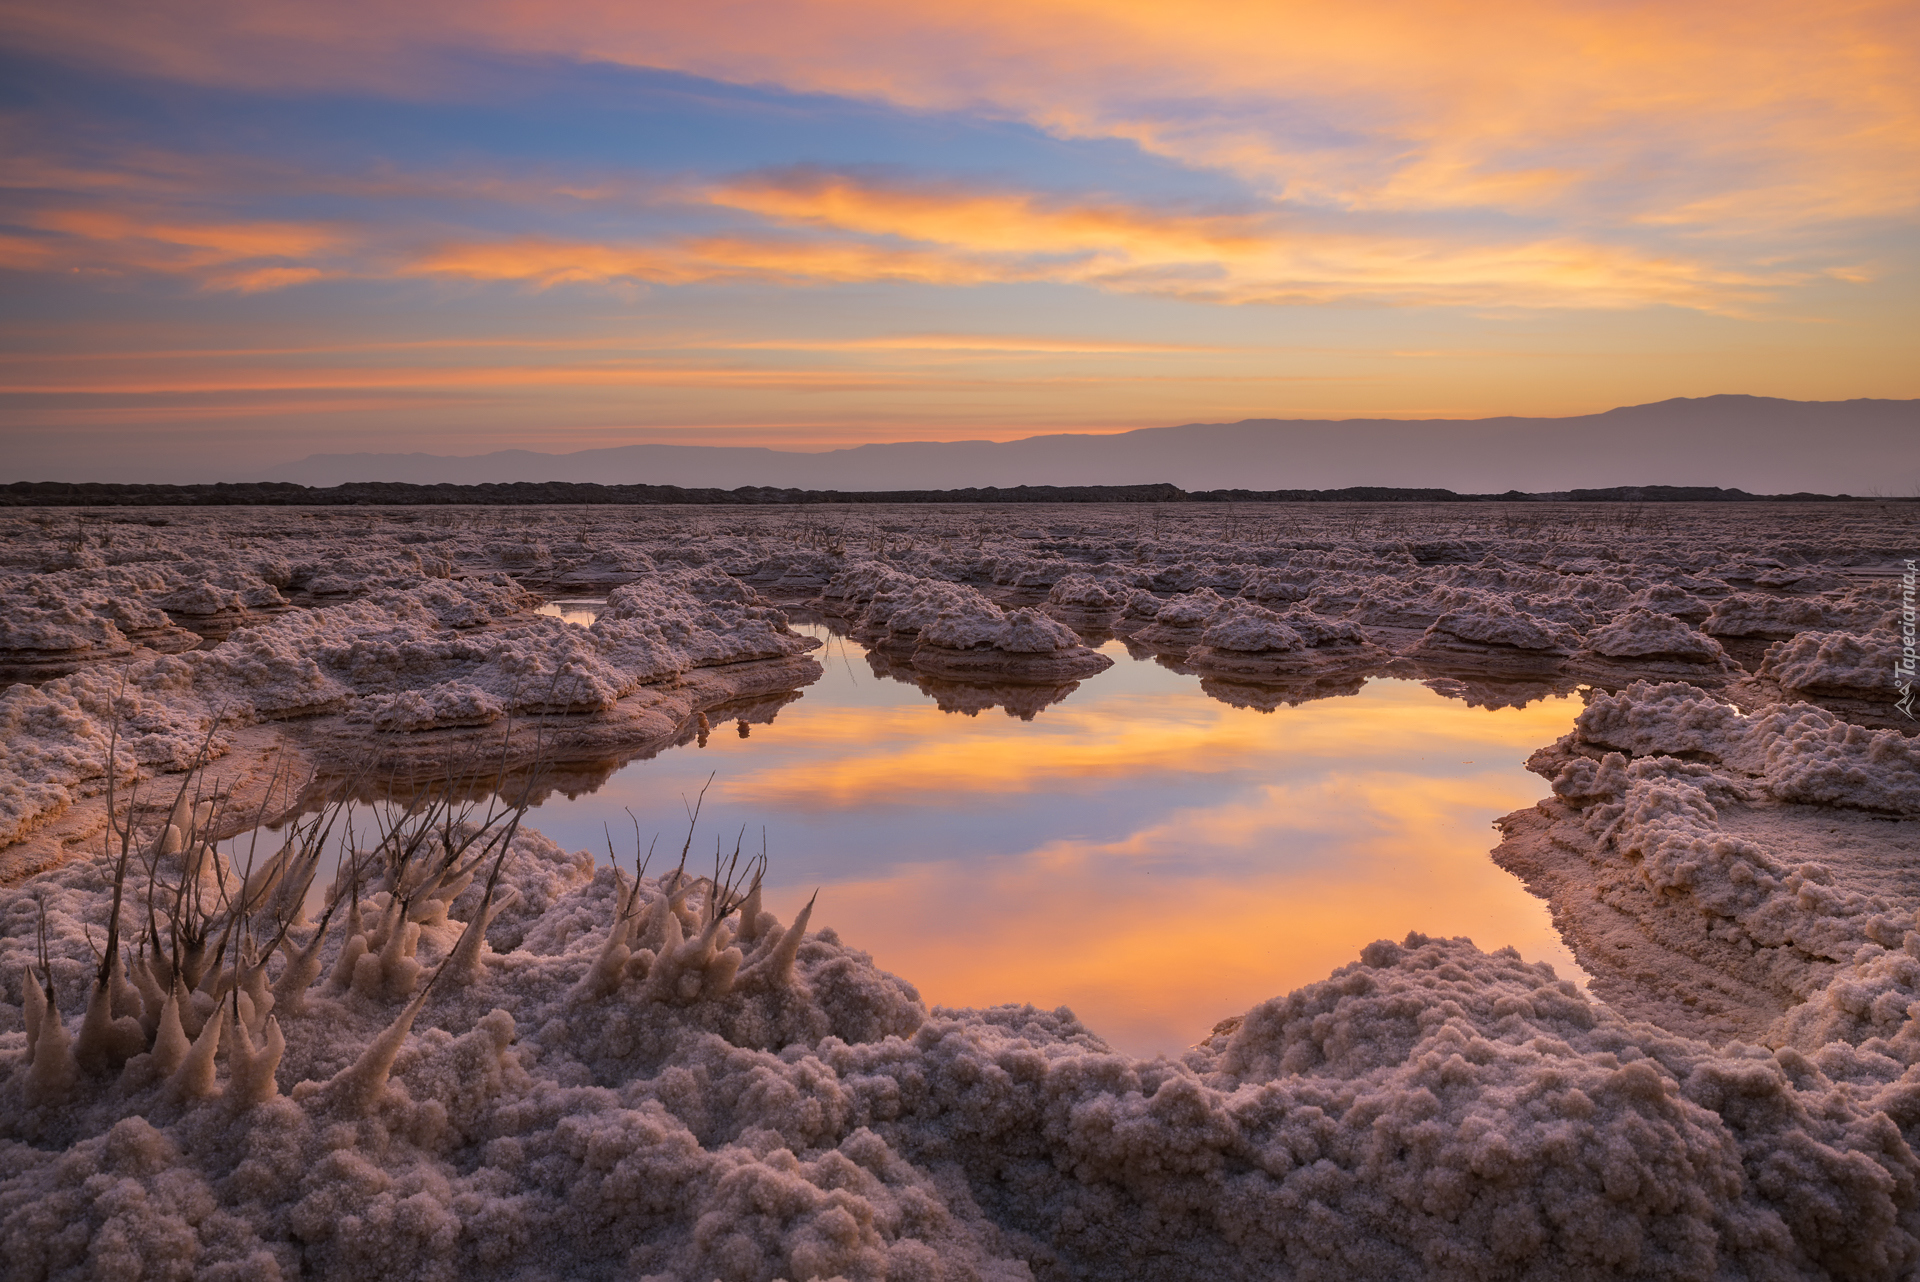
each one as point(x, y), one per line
point(650, 1099)
point(591, 1097)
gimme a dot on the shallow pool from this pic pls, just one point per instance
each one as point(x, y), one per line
point(1149, 856)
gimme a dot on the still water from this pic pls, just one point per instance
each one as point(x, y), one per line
point(1153, 858)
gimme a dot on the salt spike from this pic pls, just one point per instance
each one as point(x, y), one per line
point(127, 1000)
point(202, 815)
point(710, 939)
point(721, 972)
point(216, 982)
point(253, 1068)
point(253, 986)
point(193, 962)
point(684, 977)
point(106, 1042)
point(389, 922)
point(672, 932)
point(357, 1088)
point(53, 1069)
point(264, 880)
point(677, 902)
point(463, 965)
point(152, 996)
point(392, 972)
point(171, 842)
point(182, 813)
point(664, 975)
point(340, 978)
point(648, 927)
point(354, 925)
point(750, 913)
point(603, 977)
point(430, 909)
point(196, 863)
point(195, 1008)
point(245, 1015)
point(34, 1003)
point(194, 1078)
point(170, 1042)
point(303, 967)
point(777, 966)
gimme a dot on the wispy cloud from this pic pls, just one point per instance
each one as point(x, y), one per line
point(228, 255)
point(1627, 110)
point(839, 228)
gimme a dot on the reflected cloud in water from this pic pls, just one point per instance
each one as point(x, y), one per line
point(1153, 857)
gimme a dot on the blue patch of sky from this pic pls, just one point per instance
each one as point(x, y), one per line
point(554, 116)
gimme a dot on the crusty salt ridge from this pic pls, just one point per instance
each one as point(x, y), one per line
point(1732, 866)
point(1714, 869)
point(410, 677)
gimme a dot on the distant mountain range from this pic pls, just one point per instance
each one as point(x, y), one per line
point(1754, 443)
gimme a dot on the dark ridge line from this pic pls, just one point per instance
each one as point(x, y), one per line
point(533, 493)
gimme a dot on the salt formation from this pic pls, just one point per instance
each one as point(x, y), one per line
point(1644, 642)
point(1721, 868)
point(1023, 645)
point(953, 630)
point(1490, 628)
point(412, 676)
point(483, 1056)
point(657, 1078)
point(1247, 641)
point(1178, 624)
point(1840, 665)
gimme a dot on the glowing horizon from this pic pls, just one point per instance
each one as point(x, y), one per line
point(237, 232)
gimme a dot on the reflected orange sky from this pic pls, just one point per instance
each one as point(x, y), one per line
point(1141, 853)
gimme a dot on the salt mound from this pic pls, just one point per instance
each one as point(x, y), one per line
point(1647, 634)
point(1023, 645)
point(1646, 643)
point(1178, 623)
point(431, 656)
point(901, 611)
point(1839, 664)
point(1751, 615)
point(1247, 641)
point(1494, 624)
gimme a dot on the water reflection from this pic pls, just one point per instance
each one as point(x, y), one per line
point(1151, 856)
point(580, 611)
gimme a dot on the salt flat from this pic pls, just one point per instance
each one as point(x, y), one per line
point(492, 1057)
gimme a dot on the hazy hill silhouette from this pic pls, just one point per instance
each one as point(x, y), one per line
point(1759, 444)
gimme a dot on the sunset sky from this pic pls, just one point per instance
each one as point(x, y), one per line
point(237, 232)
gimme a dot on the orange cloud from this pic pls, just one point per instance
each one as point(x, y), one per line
point(993, 222)
point(223, 255)
point(952, 236)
